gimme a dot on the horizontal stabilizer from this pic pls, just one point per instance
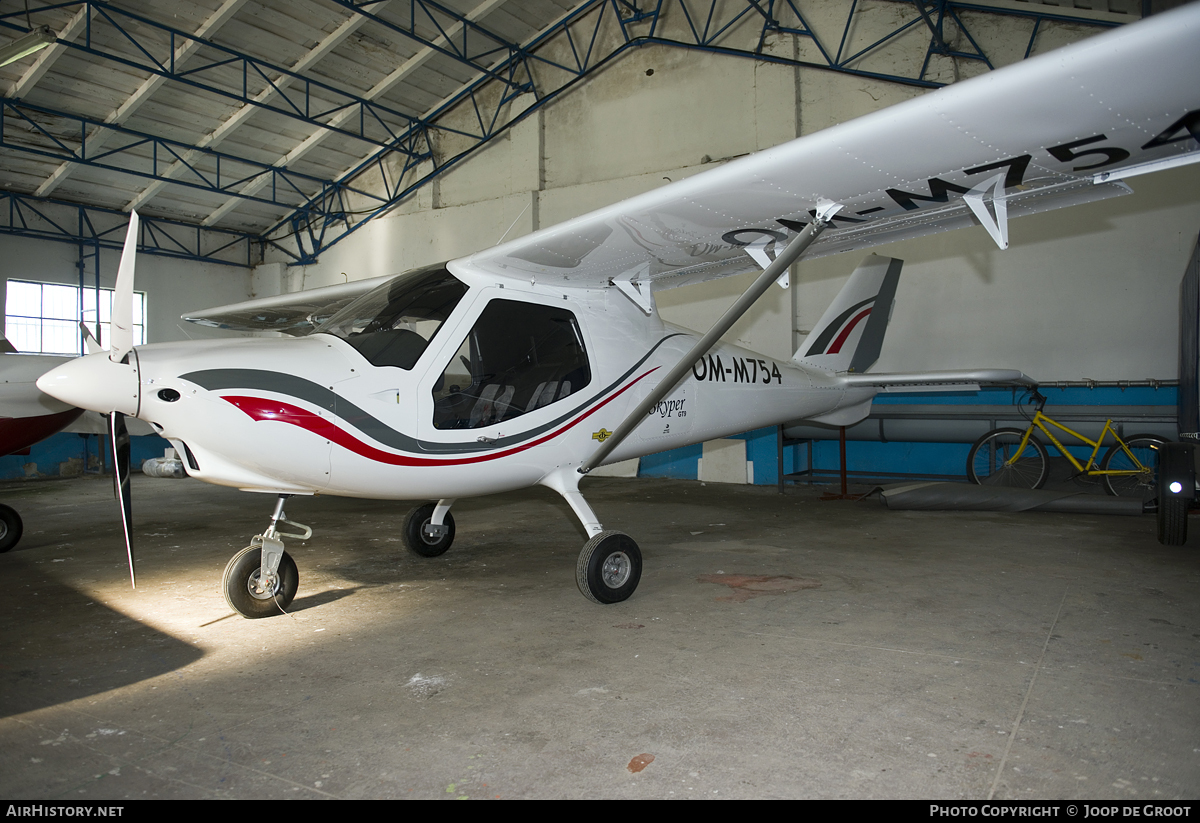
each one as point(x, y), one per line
point(967, 380)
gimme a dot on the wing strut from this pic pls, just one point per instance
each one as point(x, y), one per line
point(769, 275)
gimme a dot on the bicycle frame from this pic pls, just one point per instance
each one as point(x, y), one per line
point(1040, 420)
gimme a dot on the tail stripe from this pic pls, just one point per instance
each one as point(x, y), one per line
point(841, 338)
point(827, 334)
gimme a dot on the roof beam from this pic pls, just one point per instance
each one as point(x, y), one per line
point(47, 219)
point(277, 85)
point(46, 59)
point(313, 103)
point(126, 110)
point(140, 155)
point(428, 11)
point(404, 70)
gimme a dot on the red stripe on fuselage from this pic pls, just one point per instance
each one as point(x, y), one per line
point(259, 408)
point(841, 338)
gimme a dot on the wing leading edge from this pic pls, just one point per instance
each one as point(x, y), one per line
point(294, 313)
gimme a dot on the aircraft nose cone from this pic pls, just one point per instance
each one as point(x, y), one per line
point(96, 383)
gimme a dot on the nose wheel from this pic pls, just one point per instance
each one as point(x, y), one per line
point(252, 593)
point(425, 537)
point(261, 580)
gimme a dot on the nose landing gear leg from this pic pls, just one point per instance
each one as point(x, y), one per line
point(261, 580)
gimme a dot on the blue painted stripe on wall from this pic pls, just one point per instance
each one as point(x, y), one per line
point(897, 457)
point(66, 451)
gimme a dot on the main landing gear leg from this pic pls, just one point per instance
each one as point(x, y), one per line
point(261, 579)
point(610, 564)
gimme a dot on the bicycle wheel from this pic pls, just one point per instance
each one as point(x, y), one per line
point(1143, 484)
point(988, 462)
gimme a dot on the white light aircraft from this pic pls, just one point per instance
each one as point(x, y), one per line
point(537, 360)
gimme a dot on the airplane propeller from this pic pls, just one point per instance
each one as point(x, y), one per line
point(120, 349)
point(109, 381)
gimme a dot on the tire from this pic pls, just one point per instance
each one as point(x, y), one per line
point(609, 568)
point(414, 532)
point(1172, 520)
point(1146, 448)
point(984, 461)
point(242, 572)
point(11, 528)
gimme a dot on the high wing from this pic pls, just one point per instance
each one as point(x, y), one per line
point(1052, 131)
point(296, 313)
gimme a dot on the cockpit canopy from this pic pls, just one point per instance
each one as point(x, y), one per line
point(393, 324)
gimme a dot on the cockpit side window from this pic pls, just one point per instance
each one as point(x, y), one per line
point(517, 358)
point(394, 324)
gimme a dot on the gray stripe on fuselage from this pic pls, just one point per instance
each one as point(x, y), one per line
point(291, 386)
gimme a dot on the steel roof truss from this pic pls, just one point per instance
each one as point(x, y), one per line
point(48, 219)
point(164, 151)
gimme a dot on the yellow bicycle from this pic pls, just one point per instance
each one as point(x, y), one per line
point(1017, 458)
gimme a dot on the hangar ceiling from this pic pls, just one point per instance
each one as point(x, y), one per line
point(237, 126)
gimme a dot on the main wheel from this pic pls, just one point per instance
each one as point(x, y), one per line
point(243, 591)
point(1143, 485)
point(1172, 520)
point(609, 568)
point(987, 462)
point(10, 528)
point(418, 541)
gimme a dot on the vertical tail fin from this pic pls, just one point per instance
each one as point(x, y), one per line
point(849, 336)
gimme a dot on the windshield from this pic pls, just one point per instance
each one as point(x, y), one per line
point(393, 324)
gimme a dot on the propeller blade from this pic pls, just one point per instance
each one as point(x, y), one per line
point(121, 466)
point(89, 339)
point(120, 335)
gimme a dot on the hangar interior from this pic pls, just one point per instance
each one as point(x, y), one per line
point(272, 147)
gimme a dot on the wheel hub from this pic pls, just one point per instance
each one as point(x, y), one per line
point(432, 534)
point(616, 570)
point(257, 589)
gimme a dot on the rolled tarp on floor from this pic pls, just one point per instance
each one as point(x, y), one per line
point(969, 497)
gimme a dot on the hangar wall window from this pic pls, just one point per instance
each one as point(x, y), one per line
point(44, 317)
point(518, 357)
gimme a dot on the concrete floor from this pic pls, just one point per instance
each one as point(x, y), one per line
point(893, 655)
